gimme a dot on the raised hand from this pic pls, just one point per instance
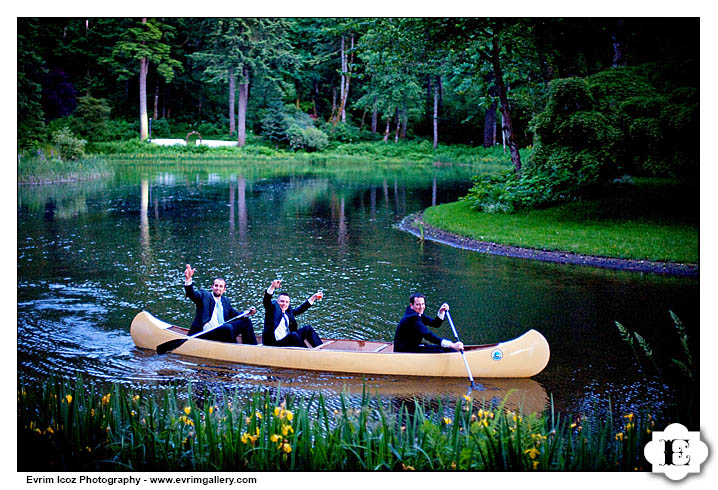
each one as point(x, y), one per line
point(189, 272)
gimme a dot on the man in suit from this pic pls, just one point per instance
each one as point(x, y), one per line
point(214, 309)
point(280, 326)
point(414, 327)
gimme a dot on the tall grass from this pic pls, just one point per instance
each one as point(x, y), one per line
point(66, 426)
point(38, 169)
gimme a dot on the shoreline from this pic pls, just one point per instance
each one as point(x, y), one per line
point(560, 257)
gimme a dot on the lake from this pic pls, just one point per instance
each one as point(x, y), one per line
point(92, 255)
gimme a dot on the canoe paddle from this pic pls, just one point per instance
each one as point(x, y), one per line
point(463, 356)
point(173, 344)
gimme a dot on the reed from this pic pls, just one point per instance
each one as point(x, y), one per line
point(71, 426)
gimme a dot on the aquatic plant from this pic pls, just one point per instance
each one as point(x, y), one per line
point(62, 426)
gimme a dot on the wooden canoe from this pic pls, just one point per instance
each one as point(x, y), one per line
point(522, 357)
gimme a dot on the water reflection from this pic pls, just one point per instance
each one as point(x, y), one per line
point(91, 255)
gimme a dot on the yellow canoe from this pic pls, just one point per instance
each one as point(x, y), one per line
point(522, 357)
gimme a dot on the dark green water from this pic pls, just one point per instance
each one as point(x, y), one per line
point(92, 255)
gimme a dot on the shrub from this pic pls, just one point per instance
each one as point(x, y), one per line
point(342, 132)
point(276, 123)
point(90, 118)
point(161, 128)
point(69, 147)
point(309, 139)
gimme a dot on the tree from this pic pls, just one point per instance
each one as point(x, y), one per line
point(145, 44)
point(392, 74)
point(30, 68)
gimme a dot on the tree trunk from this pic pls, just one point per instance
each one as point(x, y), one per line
point(503, 97)
point(490, 126)
point(404, 121)
point(341, 115)
point(619, 45)
point(386, 132)
point(144, 124)
point(242, 115)
point(435, 118)
point(157, 98)
point(232, 125)
point(374, 118)
point(398, 125)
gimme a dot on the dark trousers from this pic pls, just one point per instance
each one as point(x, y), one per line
point(296, 339)
point(228, 332)
point(430, 348)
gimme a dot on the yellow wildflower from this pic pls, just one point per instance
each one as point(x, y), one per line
point(467, 398)
point(92, 412)
point(274, 437)
point(69, 399)
point(289, 414)
point(187, 410)
point(135, 398)
point(533, 452)
point(286, 429)
point(629, 417)
point(447, 420)
point(405, 467)
point(248, 420)
point(258, 414)
point(573, 425)
point(211, 410)
point(535, 465)
point(619, 436)
point(286, 448)
point(277, 411)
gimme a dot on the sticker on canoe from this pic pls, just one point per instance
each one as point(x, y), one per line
point(497, 355)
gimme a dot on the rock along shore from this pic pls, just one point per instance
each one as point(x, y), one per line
point(409, 224)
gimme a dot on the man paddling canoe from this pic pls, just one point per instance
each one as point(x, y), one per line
point(412, 329)
point(213, 309)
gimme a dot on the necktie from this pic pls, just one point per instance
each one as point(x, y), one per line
point(220, 314)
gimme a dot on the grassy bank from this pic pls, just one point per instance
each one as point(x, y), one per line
point(42, 170)
point(62, 426)
point(649, 220)
point(416, 151)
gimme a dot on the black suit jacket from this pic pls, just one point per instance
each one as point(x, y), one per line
point(412, 329)
point(204, 300)
point(273, 315)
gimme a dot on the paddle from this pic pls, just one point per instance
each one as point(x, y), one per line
point(173, 344)
point(463, 356)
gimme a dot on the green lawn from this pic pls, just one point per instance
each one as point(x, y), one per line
point(651, 220)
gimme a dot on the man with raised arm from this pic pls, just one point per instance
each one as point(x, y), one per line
point(214, 309)
point(280, 326)
point(414, 326)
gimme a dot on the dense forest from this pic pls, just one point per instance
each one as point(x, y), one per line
point(622, 94)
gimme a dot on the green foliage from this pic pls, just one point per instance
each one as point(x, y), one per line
point(69, 146)
point(72, 427)
point(275, 123)
point(285, 124)
point(91, 118)
point(160, 128)
point(342, 132)
point(309, 139)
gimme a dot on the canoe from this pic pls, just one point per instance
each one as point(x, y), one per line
point(522, 357)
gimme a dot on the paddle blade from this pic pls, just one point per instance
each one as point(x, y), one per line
point(170, 345)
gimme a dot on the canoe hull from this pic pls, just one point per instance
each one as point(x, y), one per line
point(522, 357)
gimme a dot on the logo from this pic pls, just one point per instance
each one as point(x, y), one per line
point(497, 355)
point(676, 452)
